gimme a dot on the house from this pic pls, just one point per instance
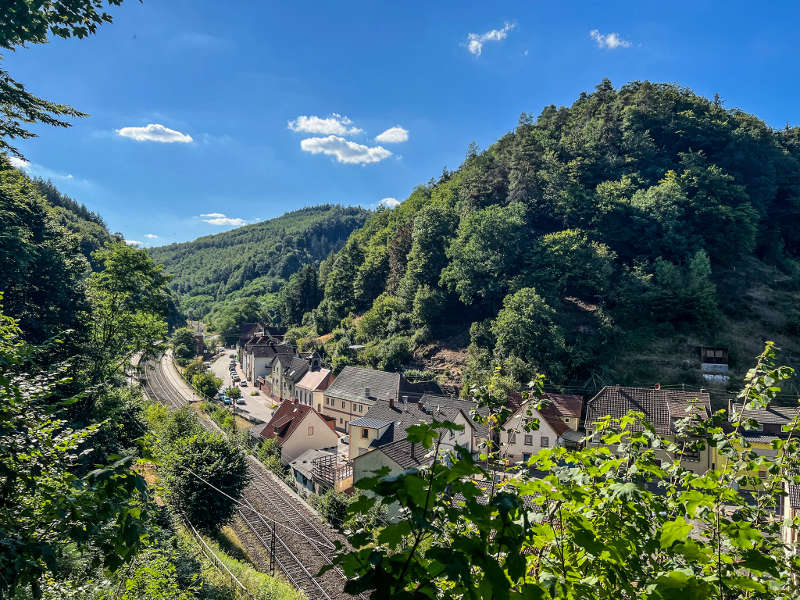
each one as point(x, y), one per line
point(763, 427)
point(387, 422)
point(303, 469)
point(287, 370)
point(259, 356)
point(298, 428)
point(662, 408)
point(480, 430)
point(247, 332)
point(558, 423)
point(355, 390)
point(791, 510)
point(311, 387)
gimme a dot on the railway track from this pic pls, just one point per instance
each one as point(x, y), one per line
point(298, 542)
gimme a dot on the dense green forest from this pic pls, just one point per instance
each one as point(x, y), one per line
point(212, 273)
point(603, 241)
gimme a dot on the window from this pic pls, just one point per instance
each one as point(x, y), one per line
point(544, 441)
point(342, 403)
point(310, 430)
point(341, 420)
point(529, 440)
point(525, 457)
point(512, 437)
point(364, 432)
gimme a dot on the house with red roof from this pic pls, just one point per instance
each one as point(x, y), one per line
point(298, 428)
point(558, 417)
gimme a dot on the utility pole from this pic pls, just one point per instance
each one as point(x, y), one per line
point(272, 552)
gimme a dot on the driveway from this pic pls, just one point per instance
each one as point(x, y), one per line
point(258, 406)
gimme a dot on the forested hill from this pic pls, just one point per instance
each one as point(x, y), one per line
point(255, 260)
point(603, 241)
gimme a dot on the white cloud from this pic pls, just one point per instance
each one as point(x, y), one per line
point(335, 124)
point(36, 170)
point(611, 41)
point(133, 243)
point(19, 163)
point(151, 236)
point(475, 41)
point(220, 219)
point(155, 132)
point(393, 135)
point(344, 150)
point(389, 202)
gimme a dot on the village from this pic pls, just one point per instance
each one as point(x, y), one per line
point(332, 431)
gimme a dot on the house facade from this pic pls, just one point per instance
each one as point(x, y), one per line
point(310, 390)
point(298, 428)
point(354, 391)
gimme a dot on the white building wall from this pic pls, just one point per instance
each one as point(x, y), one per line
point(312, 434)
point(515, 448)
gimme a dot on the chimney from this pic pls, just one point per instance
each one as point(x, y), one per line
point(391, 402)
point(405, 403)
point(657, 386)
point(366, 392)
point(412, 450)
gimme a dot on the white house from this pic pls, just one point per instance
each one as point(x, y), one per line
point(298, 428)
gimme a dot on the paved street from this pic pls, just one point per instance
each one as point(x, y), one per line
point(258, 406)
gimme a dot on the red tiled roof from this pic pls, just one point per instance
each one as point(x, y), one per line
point(285, 420)
point(567, 405)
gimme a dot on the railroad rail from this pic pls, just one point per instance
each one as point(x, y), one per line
point(295, 541)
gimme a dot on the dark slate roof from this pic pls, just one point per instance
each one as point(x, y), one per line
point(352, 381)
point(776, 415)
point(415, 391)
point(371, 423)
point(248, 331)
point(296, 368)
point(406, 454)
point(794, 496)
point(430, 402)
point(660, 407)
point(400, 418)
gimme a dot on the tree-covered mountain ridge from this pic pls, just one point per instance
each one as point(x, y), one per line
point(604, 241)
point(253, 261)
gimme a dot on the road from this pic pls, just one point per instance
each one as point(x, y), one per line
point(270, 514)
point(259, 406)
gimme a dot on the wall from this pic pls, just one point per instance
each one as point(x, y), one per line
point(515, 451)
point(322, 437)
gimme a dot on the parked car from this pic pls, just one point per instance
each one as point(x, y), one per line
point(243, 384)
point(231, 356)
point(240, 401)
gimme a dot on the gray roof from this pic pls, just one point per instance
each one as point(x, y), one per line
point(296, 368)
point(660, 407)
point(353, 381)
point(407, 454)
point(371, 423)
point(776, 415)
point(305, 462)
point(400, 418)
point(430, 402)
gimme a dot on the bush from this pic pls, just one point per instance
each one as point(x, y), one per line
point(220, 464)
point(332, 506)
point(206, 384)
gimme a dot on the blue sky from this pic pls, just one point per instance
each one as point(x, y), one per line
point(283, 102)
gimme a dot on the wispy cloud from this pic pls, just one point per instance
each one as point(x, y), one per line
point(134, 243)
point(151, 236)
point(36, 170)
point(475, 41)
point(389, 202)
point(344, 150)
point(335, 124)
point(155, 132)
point(216, 218)
point(393, 135)
point(611, 41)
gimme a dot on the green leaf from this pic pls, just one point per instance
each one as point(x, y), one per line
point(674, 531)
